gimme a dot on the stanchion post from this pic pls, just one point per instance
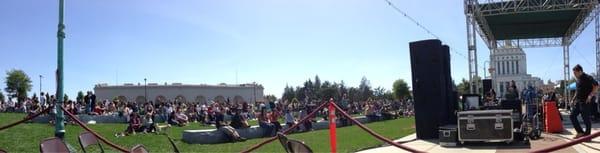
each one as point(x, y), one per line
point(332, 126)
point(59, 128)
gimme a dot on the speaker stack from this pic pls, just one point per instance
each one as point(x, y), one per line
point(434, 95)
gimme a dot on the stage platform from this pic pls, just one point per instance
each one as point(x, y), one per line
point(548, 139)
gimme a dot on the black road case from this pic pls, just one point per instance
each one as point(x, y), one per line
point(448, 136)
point(485, 126)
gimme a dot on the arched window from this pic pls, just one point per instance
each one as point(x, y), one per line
point(160, 99)
point(140, 99)
point(200, 99)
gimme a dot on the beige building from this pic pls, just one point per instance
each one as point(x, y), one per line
point(182, 92)
point(510, 64)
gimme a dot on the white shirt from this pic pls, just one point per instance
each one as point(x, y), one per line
point(42, 101)
point(10, 103)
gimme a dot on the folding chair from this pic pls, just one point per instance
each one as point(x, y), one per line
point(283, 140)
point(53, 145)
point(139, 149)
point(87, 139)
point(296, 146)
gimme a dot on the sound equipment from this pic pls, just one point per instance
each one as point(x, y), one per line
point(451, 93)
point(485, 126)
point(432, 87)
point(448, 136)
point(487, 85)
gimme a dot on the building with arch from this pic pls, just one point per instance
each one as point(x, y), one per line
point(181, 92)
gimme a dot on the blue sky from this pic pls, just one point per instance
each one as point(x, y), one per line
point(271, 42)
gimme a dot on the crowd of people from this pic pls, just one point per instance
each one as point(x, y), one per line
point(226, 115)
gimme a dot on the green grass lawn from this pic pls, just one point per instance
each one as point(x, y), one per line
point(26, 137)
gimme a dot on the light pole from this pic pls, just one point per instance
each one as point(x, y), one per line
point(40, 99)
point(484, 68)
point(145, 91)
point(59, 128)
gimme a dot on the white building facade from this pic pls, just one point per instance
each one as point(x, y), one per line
point(180, 92)
point(510, 64)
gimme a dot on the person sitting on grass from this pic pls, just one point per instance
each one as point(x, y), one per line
point(181, 117)
point(263, 122)
point(290, 120)
point(149, 125)
point(35, 108)
point(229, 131)
point(238, 121)
point(177, 119)
point(135, 125)
point(274, 119)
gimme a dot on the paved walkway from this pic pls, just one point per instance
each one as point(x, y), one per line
point(546, 141)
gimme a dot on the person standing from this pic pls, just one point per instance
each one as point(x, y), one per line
point(93, 99)
point(88, 103)
point(581, 103)
point(42, 100)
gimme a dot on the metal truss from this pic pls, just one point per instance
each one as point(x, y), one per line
point(587, 15)
point(472, 50)
point(597, 42)
point(499, 7)
point(566, 70)
point(532, 43)
point(476, 23)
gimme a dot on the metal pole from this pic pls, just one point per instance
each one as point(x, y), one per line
point(59, 128)
point(597, 42)
point(566, 71)
point(40, 99)
point(145, 90)
point(472, 47)
point(485, 70)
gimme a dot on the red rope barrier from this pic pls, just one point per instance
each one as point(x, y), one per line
point(94, 133)
point(384, 139)
point(26, 119)
point(287, 130)
point(568, 144)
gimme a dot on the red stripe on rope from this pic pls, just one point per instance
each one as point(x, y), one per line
point(384, 139)
point(94, 133)
point(26, 119)
point(568, 144)
point(287, 130)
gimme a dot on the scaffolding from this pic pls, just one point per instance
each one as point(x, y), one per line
point(528, 24)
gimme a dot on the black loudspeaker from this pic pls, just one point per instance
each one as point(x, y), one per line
point(487, 85)
point(432, 87)
point(451, 103)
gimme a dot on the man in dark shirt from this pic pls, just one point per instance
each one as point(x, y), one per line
point(93, 100)
point(586, 89)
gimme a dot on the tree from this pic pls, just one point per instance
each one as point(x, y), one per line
point(17, 84)
point(66, 98)
point(328, 91)
point(288, 93)
point(270, 97)
point(389, 95)
point(463, 87)
point(79, 97)
point(379, 92)
point(400, 89)
point(365, 89)
point(2, 98)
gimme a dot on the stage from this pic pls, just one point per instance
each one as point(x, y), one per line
point(546, 141)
